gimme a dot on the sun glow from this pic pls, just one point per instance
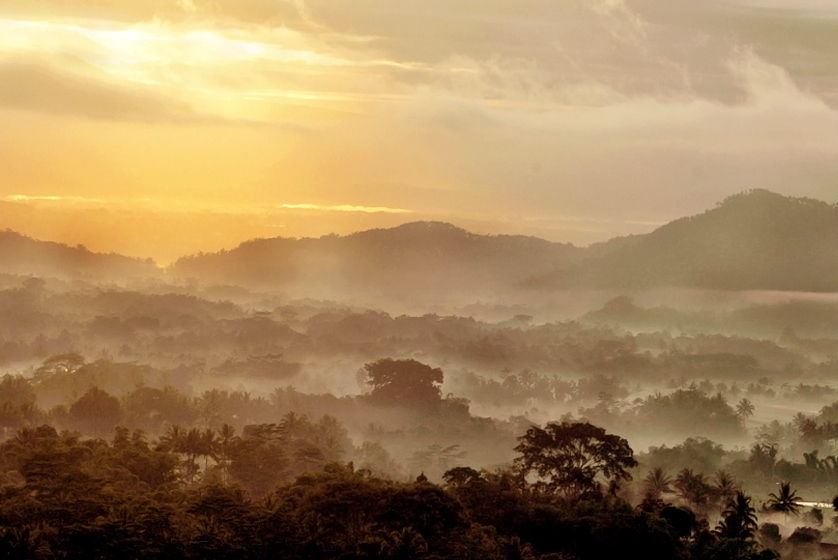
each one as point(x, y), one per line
point(231, 72)
point(346, 208)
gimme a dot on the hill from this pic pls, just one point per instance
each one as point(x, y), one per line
point(415, 256)
point(23, 255)
point(753, 240)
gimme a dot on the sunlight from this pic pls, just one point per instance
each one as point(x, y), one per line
point(207, 68)
point(346, 208)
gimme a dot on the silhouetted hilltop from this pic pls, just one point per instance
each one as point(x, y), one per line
point(23, 255)
point(753, 240)
point(419, 255)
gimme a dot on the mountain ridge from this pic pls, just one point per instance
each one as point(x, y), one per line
point(21, 254)
point(752, 240)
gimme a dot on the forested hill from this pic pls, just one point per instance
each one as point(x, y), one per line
point(754, 240)
point(415, 256)
point(23, 255)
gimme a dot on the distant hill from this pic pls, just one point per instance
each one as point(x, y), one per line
point(414, 256)
point(23, 255)
point(753, 240)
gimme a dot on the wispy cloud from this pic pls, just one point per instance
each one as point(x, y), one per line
point(346, 208)
point(52, 198)
point(629, 112)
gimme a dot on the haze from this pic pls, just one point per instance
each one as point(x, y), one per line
point(161, 128)
point(366, 279)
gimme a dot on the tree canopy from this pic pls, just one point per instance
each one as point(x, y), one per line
point(574, 458)
point(404, 383)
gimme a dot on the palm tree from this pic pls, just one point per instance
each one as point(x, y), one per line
point(226, 438)
point(744, 409)
point(191, 446)
point(693, 489)
point(785, 502)
point(725, 487)
point(172, 440)
point(291, 424)
point(208, 447)
point(656, 484)
point(739, 518)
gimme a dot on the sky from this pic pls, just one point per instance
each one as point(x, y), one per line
point(159, 128)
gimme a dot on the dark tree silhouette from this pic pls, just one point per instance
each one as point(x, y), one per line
point(744, 409)
point(96, 412)
point(574, 458)
point(404, 383)
point(785, 501)
point(693, 489)
point(739, 520)
point(724, 487)
point(656, 484)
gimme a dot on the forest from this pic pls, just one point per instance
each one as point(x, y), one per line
point(155, 416)
point(171, 423)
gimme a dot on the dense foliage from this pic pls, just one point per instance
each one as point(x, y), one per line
point(68, 497)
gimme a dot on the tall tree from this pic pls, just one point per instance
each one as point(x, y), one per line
point(656, 484)
point(574, 459)
point(404, 383)
point(744, 409)
point(724, 487)
point(693, 489)
point(96, 412)
point(739, 520)
point(785, 501)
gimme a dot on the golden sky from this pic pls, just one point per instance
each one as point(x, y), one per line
point(164, 127)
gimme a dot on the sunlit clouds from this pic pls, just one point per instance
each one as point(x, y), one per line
point(346, 208)
point(575, 120)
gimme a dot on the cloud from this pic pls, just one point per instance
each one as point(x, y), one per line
point(31, 84)
point(53, 198)
point(346, 208)
point(503, 150)
point(624, 111)
point(275, 12)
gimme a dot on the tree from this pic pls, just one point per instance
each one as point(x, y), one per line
point(724, 488)
point(785, 501)
point(404, 383)
point(404, 544)
point(436, 459)
point(257, 464)
point(763, 458)
point(574, 458)
point(693, 489)
point(739, 518)
point(656, 484)
point(96, 412)
point(744, 409)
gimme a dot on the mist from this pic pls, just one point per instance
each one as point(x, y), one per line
point(347, 279)
point(422, 349)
